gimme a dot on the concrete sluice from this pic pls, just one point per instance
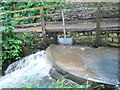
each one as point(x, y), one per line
point(81, 63)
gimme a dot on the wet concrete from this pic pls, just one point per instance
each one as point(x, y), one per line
point(86, 63)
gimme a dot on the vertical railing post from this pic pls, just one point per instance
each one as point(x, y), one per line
point(43, 26)
point(98, 19)
point(0, 47)
point(118, 36)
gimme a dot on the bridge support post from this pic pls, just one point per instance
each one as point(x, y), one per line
point(43, 27)
point(98, 19)
point(0, 47)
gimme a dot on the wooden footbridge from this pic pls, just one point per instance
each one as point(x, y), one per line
point(101, 19)
point(69, 27)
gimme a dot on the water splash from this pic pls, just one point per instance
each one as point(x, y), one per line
point(20, 72)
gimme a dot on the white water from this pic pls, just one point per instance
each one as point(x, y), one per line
point(19, 73)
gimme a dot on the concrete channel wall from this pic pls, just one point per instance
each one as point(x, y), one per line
point(73, 69)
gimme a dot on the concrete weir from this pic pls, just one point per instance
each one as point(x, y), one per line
point(80, 63)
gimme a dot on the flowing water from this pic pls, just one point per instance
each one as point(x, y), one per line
point(36, 67)
point(22, 72)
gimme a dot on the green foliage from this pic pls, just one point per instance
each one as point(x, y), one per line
point(55, 84)
point(11, 6)
point(62, 84)
point(11, 43)
point(65, 84)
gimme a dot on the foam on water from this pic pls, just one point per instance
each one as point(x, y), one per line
point(32, 66)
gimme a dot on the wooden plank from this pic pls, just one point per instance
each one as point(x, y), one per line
point(80, 30)
point(98, 18)
point(62, 5)
point(38, 16)
point(16, 11)
point(36, 8)
point(69, 22)
point(111, 10)
point(76, 4)
point(38, 29)
point(53, 6)
point(109, 27)
point(69, 13)
point(28, 31)
point(31, 29)
point(110, 19)
point(85, 20)
point(28, 25)
point(70, 29)
point(53, 14)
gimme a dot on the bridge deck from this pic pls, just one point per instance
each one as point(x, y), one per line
point(71, 27)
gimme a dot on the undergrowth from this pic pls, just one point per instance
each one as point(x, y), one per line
point(63, 84)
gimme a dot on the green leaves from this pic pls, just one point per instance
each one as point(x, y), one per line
point(11, 42)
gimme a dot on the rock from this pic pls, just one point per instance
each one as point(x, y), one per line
point(54, 74)
point(57, 76)
point(11, 68)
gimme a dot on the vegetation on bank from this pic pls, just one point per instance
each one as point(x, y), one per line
point(63, 84)
point(11, 43)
